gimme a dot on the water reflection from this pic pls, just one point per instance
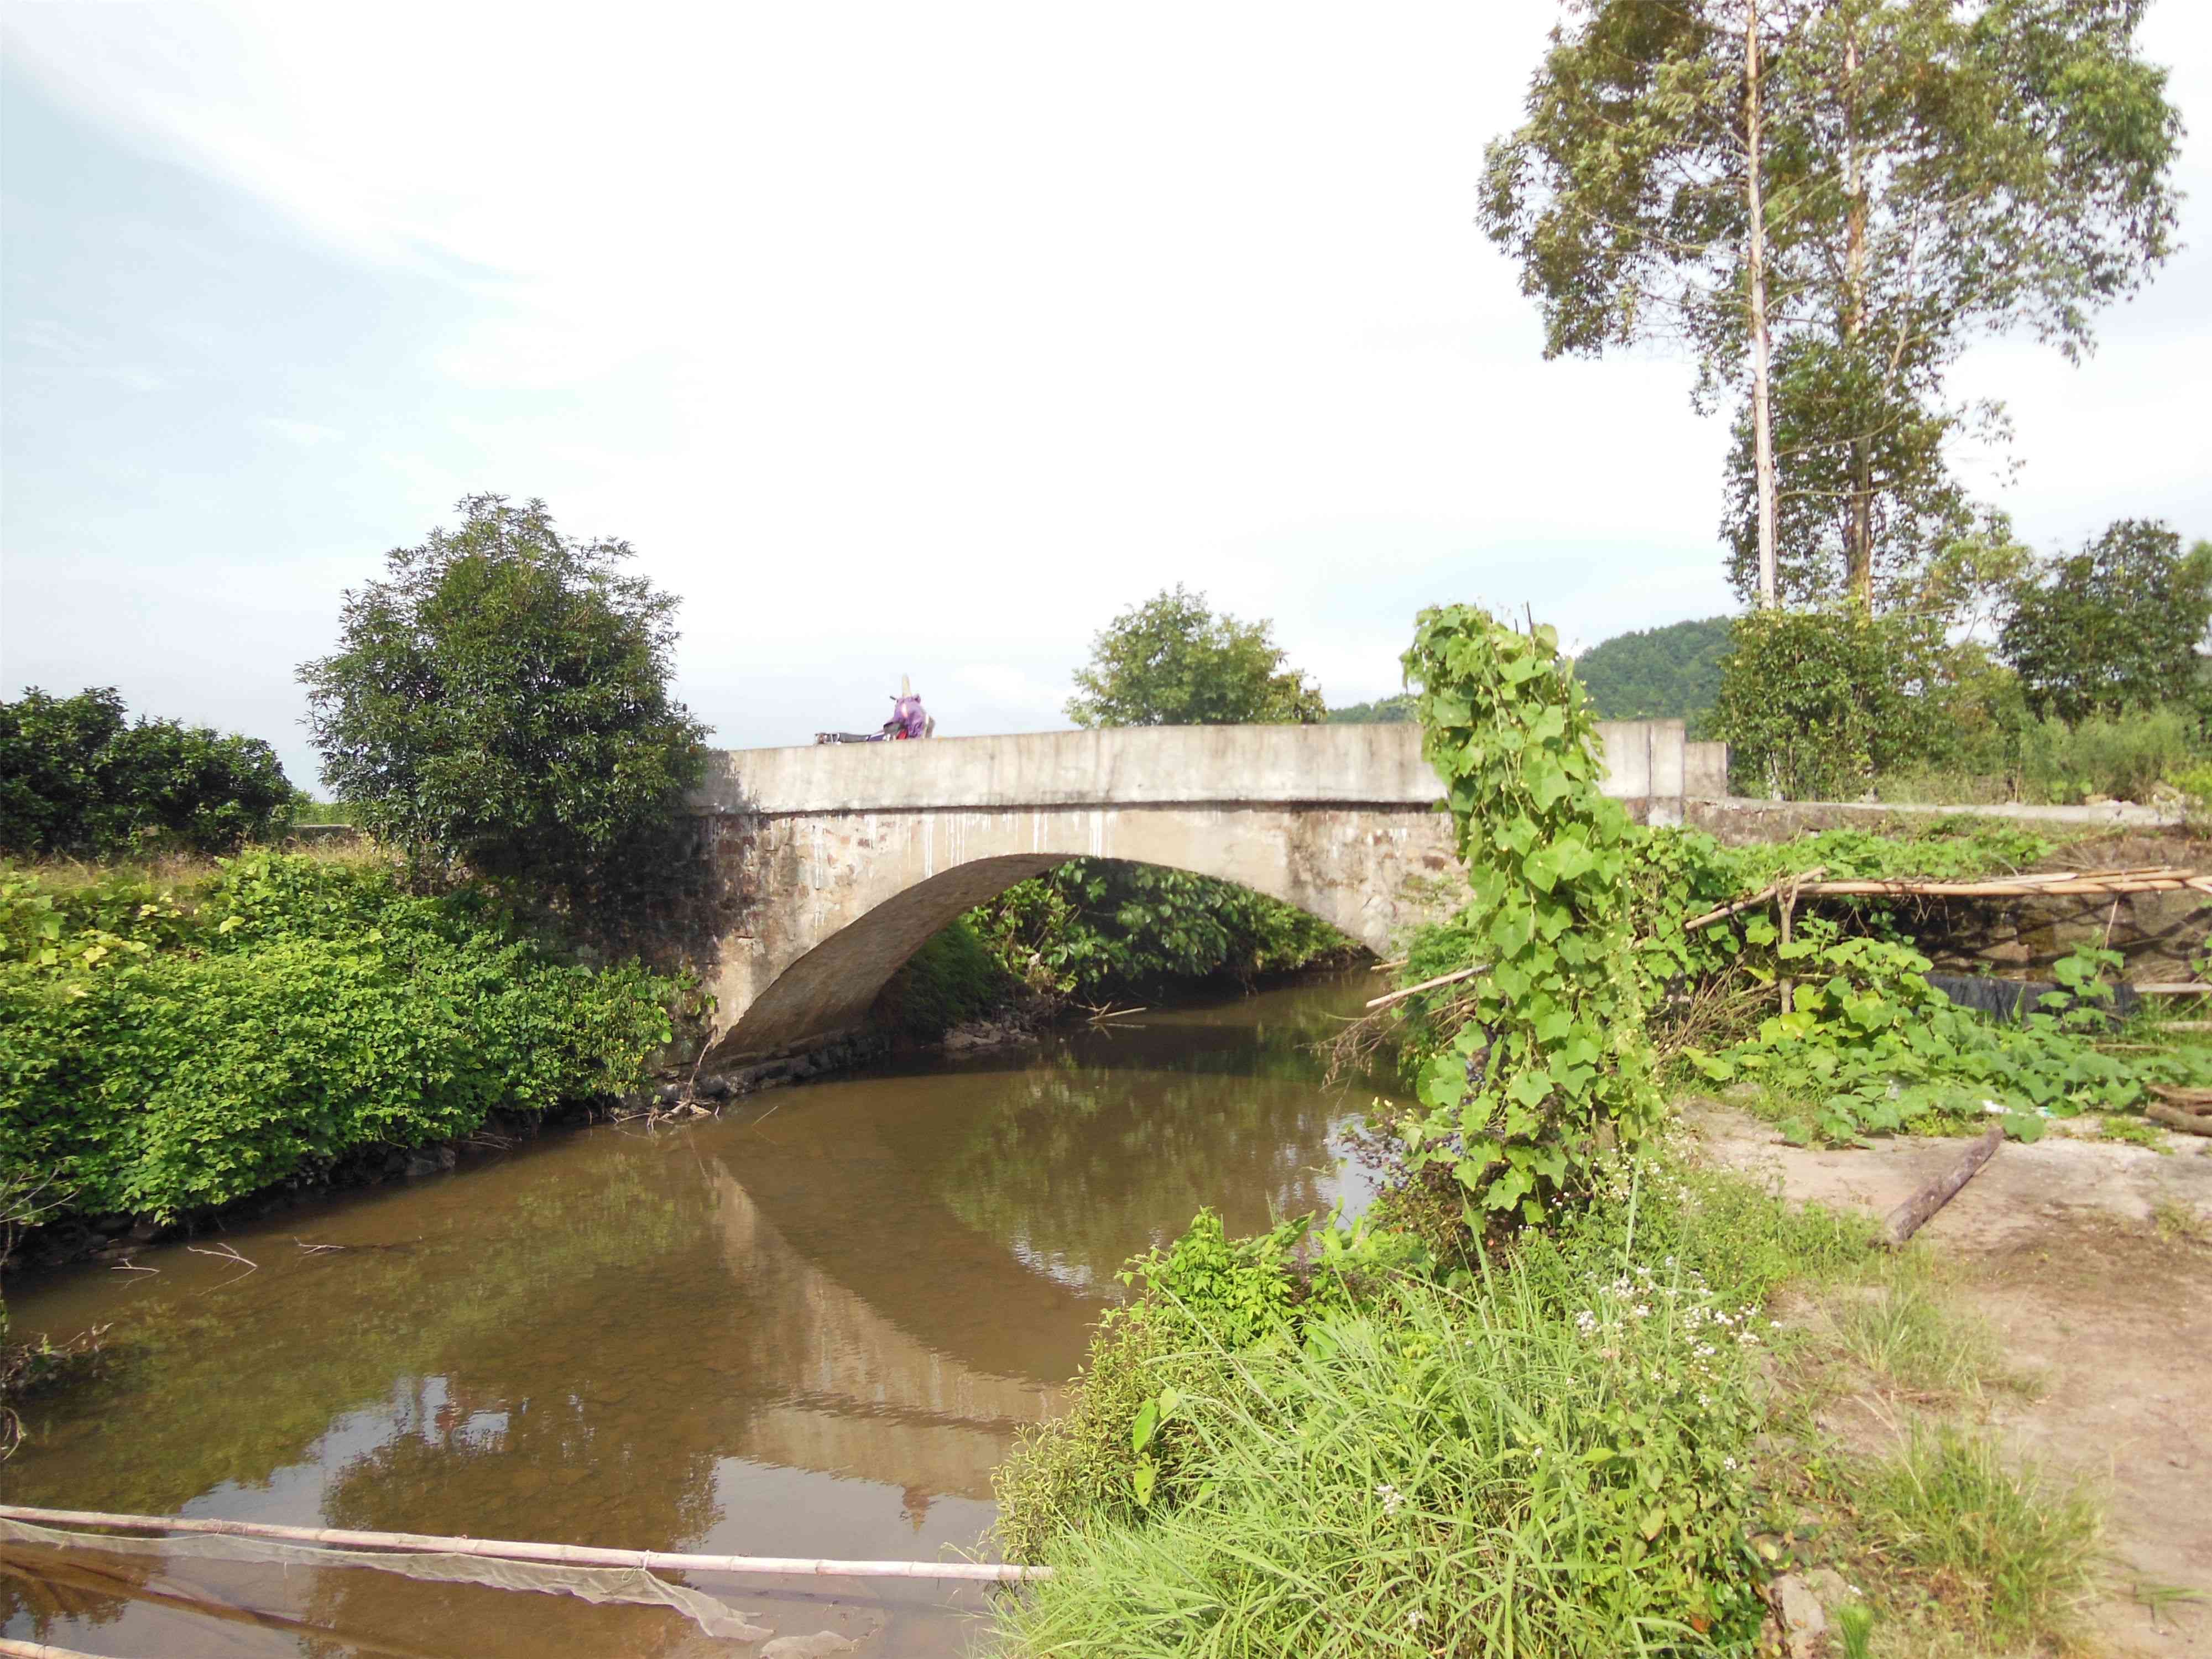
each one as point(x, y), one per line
point(811, 1328)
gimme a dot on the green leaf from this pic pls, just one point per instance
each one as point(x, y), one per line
point(1141, 1431)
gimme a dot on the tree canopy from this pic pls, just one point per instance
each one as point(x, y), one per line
point(1924, 172)
point(1656, 673)
point(76, 777)
point(2114, 627)
point(1382, 711)
point(1171, 661)
point(501, 700)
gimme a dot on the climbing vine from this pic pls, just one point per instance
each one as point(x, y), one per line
point(1549, 1065)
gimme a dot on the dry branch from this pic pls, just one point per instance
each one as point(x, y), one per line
point(1385, 1001)
point(575, 1555)
point(1908, 1218)
point(1759, 898)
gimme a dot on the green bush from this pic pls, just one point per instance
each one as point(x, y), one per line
point(1544, 1061)
point(157, 1060)
point(77, 777)
point(2122, 757)
point(953, 977)
point(1816, 702)
point(1096, 928)
point(1554, 1460)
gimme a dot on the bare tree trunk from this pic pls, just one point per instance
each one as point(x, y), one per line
point(1859, 534)
point(1762, 412)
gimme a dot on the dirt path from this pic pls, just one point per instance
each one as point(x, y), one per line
point(2092, 1260)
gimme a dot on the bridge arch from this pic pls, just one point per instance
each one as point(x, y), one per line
point(833, 863)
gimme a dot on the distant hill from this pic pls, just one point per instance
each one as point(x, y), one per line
point(1656, 673)
point(1384, 711)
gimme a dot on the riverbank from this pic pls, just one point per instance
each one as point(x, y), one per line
point(178, 1040)
point(1707, 1415)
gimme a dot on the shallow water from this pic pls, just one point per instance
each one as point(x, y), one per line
point(809, 1328)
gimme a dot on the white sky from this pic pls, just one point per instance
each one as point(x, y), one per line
point(900, 339)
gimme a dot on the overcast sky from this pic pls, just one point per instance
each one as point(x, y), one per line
point(898, 338)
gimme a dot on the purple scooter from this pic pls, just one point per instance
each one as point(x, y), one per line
point(907, 721)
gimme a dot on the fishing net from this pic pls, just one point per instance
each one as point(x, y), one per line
point(627, 1584)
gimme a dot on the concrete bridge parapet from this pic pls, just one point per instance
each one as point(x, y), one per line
point(837, 861)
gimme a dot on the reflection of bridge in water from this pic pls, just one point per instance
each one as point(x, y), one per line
point(861, 1394)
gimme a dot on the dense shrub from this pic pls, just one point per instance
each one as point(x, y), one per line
point(952, 977)
point(1545, 1061)
point(1815, 702)
point(2122, 757)
point(1552, 1457)
point(77, 777)
point(1095, 929)
point(158, 1058)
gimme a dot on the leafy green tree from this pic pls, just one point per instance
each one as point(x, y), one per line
point(1171, 661)
point(1656, 673)
point(1099, 927)
point(2114, 627)
point(77, 776)
point(502, 701)
point(1384, 711)
point(1828, 199)
point(1816, 702)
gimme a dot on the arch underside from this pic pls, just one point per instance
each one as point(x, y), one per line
point(843, 901)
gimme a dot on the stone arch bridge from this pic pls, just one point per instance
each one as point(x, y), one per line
point(835, 862)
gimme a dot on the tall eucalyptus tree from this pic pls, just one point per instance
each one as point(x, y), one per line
point(1825, 202)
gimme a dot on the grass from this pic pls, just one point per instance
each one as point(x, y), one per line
point(1469, 1474)
point(2177, 1223)
point(1558, 1457)
point(1552, 1458)
point(1909, 1337)
point(184, 874)
point(1972, 1544)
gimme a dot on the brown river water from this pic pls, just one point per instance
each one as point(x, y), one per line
point(809, 1327)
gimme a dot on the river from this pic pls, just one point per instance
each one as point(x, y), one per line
point(811, 1326)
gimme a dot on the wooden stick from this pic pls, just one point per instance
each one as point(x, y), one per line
point(2160, 879)
point(2173, 990)
point(578, 1555)
point(1759, 898)
point(13, 1650)
point(1429, 985)
point(1908, 1218)
point(1385, 967)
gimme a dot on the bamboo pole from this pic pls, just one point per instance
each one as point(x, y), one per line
point(1384, 1001)
point(1758, 898)
point(573, 1555)
point(2057, 883)
point(10, 1649)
